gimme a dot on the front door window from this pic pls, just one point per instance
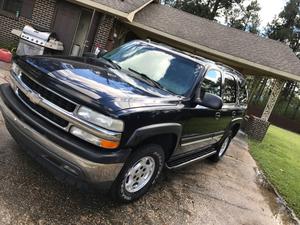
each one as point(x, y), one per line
point(212, 83)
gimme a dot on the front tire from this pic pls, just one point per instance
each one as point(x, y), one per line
point(139, 173)
point(222, 147)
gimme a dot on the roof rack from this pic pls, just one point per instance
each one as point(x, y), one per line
point(232, 70)
point(198, 57)
point(226, 66)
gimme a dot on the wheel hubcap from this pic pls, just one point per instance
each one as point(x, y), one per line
point(139, 174)
point(223, 147)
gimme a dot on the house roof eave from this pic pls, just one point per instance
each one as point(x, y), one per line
point(106, 9)
point(102, 8)
point(132, 14)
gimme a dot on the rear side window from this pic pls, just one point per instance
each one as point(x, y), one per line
point(229, 95)
point(212, 83)
point(243, 95)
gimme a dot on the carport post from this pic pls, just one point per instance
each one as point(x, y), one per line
point(276, 90)
point(256, 127)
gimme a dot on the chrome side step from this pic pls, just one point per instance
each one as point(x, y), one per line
point(191, 161)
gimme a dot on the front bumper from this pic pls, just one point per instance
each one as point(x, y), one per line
point(53, 155)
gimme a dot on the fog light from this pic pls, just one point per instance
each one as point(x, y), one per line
point(93, 139)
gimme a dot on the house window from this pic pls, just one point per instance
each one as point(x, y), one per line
point(12, 6)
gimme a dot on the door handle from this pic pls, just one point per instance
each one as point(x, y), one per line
point(218, 115)
point(233, 114)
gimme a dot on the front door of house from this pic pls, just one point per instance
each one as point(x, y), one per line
point(66, 23)
point(76, 27)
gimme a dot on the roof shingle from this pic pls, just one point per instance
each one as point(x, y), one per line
point(215, 36)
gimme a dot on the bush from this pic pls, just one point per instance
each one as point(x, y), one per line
point(12, 47)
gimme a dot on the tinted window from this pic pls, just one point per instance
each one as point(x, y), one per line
point(243, 95)
point(175, 73)
point(212, 83)
point(229, 95)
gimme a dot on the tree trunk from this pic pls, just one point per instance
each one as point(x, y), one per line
point(254, 87)
point(261, 89)
point(296, 111)
point(290, 99)
point(215, 9)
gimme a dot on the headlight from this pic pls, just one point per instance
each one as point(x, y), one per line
point(100, 119)
point(15, 68)
point(93, 139)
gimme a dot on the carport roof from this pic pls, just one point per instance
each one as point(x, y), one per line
point(232, 46)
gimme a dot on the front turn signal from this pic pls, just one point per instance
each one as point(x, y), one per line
point(109, 144)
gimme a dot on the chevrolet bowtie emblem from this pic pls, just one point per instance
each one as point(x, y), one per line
point(34, 98)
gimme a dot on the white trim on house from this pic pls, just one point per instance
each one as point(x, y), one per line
point(106, 9)
point(132, 14)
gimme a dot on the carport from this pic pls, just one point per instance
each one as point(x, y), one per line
point(248, 53)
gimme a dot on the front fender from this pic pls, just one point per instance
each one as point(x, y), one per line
point(146, 132)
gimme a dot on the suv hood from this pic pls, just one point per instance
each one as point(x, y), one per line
point(111, 88)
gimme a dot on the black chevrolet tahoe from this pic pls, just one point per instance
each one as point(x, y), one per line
point(115, 121)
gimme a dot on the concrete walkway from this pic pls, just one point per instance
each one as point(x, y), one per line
point(203, 193)
point(4, 72)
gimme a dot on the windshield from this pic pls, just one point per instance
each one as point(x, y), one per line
point(170, 71)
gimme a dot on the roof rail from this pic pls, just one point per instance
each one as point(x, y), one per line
point(225, 66)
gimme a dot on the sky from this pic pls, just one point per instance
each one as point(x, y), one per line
point(270, 8)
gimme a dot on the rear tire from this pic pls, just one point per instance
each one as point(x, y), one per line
point(139, 173)
point(222, 147)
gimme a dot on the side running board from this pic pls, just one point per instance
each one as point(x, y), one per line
point(190, 159)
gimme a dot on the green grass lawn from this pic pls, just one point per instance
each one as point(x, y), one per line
point(279, 157)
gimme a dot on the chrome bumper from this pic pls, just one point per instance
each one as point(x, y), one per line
point(95, 173)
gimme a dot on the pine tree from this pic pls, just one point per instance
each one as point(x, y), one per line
point(286, 27)
point(209, 9)
point(244, 17)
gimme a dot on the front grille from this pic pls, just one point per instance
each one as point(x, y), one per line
point(49, 95)
point(43, 112)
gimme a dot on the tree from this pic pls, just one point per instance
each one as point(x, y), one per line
point(286, 27)
point(245, 18)
point(235, 12)
point(209, 9)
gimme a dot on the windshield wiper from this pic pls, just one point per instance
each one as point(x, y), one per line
point(113, 63)
point(144, 76)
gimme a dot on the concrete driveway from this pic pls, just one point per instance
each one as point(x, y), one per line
point(203, 193)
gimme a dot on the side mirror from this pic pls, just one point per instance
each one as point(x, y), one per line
point(211, 101)
point(101, 53)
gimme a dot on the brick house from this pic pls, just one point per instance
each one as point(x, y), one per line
point(75, 22)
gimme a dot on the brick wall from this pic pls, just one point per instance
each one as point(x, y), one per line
point(103, 31)
point(42, 16)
